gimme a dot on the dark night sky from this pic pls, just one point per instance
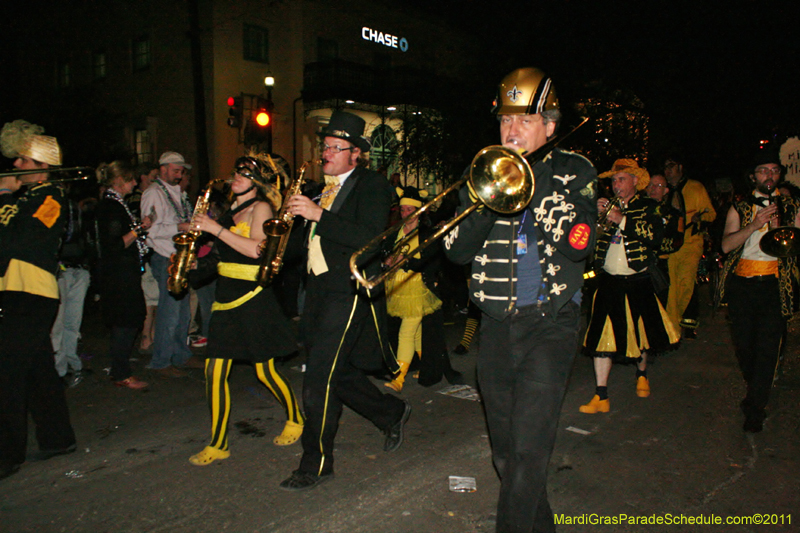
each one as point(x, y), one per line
point(714, 76)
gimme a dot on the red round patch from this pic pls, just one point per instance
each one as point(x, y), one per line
point(579, 236)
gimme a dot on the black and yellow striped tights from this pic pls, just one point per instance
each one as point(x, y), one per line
point(218, 395)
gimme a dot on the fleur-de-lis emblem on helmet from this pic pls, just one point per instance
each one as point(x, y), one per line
point(514, 94)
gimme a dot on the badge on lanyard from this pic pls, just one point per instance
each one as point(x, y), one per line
point(522, 244)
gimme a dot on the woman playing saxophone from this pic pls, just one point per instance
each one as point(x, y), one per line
point(246, 321)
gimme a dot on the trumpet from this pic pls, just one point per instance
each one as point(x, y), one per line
point(603, 224)
point(501, 179)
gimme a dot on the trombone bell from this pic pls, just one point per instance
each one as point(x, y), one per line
point(502, 179)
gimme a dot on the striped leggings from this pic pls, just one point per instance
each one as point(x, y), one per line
point(218, 395)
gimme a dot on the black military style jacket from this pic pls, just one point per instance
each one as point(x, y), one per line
point(642, 236)
point(564, 212)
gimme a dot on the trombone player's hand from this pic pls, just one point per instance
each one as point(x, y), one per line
point(10, 183)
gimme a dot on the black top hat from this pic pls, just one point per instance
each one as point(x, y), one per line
point(349, 127)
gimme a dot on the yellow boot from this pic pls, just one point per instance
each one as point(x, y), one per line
point(397, 383)
point(291, 432)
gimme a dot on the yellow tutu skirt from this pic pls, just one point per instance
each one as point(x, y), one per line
point(407, 296)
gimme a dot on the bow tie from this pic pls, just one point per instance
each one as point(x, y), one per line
point(762, 201)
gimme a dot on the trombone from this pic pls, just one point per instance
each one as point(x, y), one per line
point(501, 179)
point(83, 173)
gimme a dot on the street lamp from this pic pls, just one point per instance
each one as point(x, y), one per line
point(269, 83)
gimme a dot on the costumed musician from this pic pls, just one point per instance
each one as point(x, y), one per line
point(412, 295)
point(758, 287)
point(626, 297)
point(31, 227)
point(344, 326)
point(246, 320)
point(527, 274)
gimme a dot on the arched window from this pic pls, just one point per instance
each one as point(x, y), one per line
point(384, 148)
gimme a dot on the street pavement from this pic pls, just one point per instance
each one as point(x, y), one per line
point(677, 456)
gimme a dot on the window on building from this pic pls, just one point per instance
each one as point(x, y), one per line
point(143, 147)
point(256, 44)
point(99, 65)
point(327, 49)
point(141, 53)
point(64, 74)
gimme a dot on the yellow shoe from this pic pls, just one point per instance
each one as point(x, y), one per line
point(290, 434)
point(397, 383)
point(208, 456)
point(596, 405)
point(642, 387)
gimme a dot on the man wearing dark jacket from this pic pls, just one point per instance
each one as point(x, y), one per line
point(527, 273)
point(31, 226)
point(339, 320)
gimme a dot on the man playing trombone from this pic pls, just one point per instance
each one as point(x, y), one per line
point(527, 274)
point(757, 281)
point(31, 227)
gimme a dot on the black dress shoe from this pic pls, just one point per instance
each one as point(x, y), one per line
point(300, 480)
point(8, 470)
point(44, 455)
point(394, 436)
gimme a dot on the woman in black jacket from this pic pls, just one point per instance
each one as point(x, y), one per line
point(122, 252)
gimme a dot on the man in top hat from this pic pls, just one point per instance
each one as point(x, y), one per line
point(625, 297)
point(338, 318)
point(173, 214)
point(527, 274)
point(758, 285)
point(31, 227)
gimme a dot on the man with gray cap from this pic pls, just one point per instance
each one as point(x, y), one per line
point(173, 213)
point(31, 227)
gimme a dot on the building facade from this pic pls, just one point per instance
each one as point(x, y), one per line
point(125, 79)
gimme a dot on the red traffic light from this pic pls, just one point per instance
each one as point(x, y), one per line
point(235, 111)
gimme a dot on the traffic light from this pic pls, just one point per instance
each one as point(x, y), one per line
point(235, 111)
point(259, 128)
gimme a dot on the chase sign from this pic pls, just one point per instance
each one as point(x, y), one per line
point(392, 41)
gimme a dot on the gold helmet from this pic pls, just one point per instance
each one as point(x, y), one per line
point(525, 91)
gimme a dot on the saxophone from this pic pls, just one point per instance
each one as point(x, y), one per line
point(186, 245)
point(277, 231)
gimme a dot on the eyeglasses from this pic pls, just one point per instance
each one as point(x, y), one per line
point(657, 186)
point(767, 171)
point(334, 149)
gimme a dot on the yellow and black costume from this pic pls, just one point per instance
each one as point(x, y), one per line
point(246, 324)
point(627, 317)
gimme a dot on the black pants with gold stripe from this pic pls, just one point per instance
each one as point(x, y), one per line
point(337, 335)
point(218, 394)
